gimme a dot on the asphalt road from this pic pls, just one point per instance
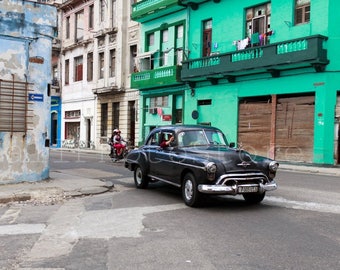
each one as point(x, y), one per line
point(296, 226)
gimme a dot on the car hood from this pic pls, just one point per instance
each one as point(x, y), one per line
point(229, 158)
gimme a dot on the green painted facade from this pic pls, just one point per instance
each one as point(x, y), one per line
point(297, 59)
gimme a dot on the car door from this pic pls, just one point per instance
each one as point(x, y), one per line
point(163, 165)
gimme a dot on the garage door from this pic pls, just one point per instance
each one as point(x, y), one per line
point(290, 133)
point(295, 128)
point(254, 125)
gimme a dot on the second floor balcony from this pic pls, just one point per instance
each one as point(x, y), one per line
point(274, 58)
point(164, 76)
point(146, 10)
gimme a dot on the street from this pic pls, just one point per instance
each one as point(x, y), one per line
point(296, 226)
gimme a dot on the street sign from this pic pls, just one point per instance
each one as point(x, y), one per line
point(36, 97)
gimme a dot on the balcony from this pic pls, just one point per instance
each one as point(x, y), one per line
point(273, 58)
point(194, 4)
point(164, 76)
point(146, 10)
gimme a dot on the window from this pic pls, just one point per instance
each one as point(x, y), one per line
point(133, 54)
point(102, 10)
point(72, 114)
point(258, 24)
point(207, 37)
point(159, 102)
point(89, 67)
point(151, 39)
point(103, 120)
point(101, 65)
point(67, 26)
point(67, 71)
point(91, 16)
point(115, 115)
point(302, 11)
point(164, 61)
point(165, 36)
point(14, 111)
point(179, 31)
point(112, 62)
point(78, 68)
point(55, 75)
point(113, 15)
point(179, 57)
point(79, 25)
point(179, 44)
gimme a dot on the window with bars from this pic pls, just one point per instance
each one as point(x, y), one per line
point(67, 71)
point(115, 115)
point(112, 62)
point(103, 119)
point(89, 67)
point(101, 65)
point(79, 25)
point(102, 10)
point(91, 16)
point(159, 102)
point(302, 11)
point(67, 26)
point(14, 105)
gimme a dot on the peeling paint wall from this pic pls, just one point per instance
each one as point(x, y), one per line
point(26, 33)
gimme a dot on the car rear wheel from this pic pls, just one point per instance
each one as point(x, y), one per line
point(254, 198)
point(140, 178)
point(190, 193)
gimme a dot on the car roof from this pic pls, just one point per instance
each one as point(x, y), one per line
point(178, 128)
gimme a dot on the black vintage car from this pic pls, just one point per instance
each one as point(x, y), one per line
point(200, 161)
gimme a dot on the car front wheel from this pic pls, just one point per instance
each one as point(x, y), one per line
point(254, 198)
point(140, 178)
point(190, 193)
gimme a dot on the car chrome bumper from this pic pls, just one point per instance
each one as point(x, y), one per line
point(233, 190)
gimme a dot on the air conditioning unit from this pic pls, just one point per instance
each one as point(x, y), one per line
point(153, 110)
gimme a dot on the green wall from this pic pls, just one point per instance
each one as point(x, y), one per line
point(228, 20)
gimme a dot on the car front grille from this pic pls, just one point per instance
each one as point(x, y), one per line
point(242, 178)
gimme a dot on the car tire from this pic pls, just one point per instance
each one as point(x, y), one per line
point(190, 193)
point(140, 178)
point(254, 198)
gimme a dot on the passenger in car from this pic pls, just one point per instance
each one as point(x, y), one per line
point(164, 142)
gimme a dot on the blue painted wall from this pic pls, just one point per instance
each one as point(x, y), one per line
point(27, 30)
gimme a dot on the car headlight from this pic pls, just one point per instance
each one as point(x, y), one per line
point(273, 166)
point(211, 167)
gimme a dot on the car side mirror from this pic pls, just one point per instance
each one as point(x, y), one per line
point(232, 145)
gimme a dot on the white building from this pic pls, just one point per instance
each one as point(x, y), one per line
point(99, 43)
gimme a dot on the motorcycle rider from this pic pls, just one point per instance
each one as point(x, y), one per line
point(119, 143)
point(111, 142)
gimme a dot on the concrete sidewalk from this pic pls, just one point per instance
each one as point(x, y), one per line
point(62, 185)
point(59, 187)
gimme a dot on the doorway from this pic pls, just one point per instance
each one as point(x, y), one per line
point(207, 37)
point(88, 133)
point(132, 113)
point(54, 128)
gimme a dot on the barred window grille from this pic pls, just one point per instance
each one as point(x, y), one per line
point(14, 103)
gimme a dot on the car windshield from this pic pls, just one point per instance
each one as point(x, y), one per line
point(200, 138)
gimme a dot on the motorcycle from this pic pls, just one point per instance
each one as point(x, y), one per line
point(113, 154)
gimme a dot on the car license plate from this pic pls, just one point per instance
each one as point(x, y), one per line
point(248, 189)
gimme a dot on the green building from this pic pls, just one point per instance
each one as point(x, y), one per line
point(266, 73)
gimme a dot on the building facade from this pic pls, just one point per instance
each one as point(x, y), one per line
point(27, 31)
point(163, 27)
point(97, 56)
point(265, 72)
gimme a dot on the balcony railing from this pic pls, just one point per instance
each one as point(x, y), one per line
point(164, 76)
point(297, 53)
point(149, 9)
